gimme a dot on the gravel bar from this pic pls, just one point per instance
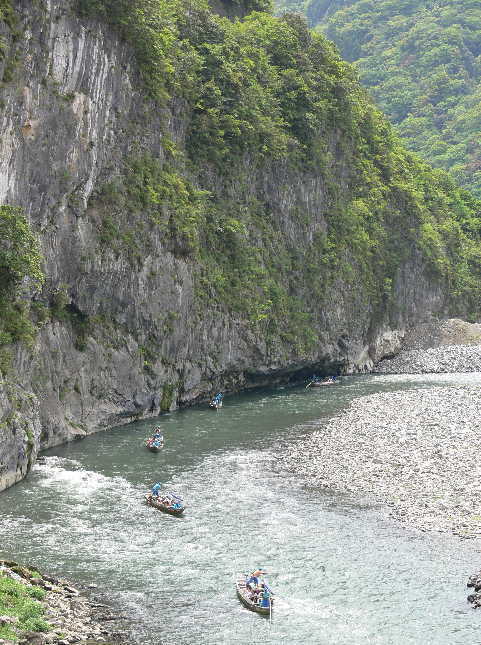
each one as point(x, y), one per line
point(448, 358)
point(416, 451)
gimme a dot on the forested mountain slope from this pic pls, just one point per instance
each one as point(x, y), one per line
point(190, 203)
point(421, 60)
point(317, 11)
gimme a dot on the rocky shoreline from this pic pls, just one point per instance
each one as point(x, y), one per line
point(474, 581)
point(67, 614)
point(414, 451)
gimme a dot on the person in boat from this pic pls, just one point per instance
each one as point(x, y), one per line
point(253, 581)
point(265, 597)
point(155, 489)
point(254, 596)
point(156, 439)
point(217, 399)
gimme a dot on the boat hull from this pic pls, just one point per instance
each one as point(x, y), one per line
point(154, 448)
point(243, 595)
point(160, 507)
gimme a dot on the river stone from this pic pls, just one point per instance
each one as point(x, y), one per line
point(33, 638)
point(8, 620)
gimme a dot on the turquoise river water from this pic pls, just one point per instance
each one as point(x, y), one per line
point(342, 573)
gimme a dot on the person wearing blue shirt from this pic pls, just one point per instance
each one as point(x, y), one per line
point(155, 489)
point(265, 597)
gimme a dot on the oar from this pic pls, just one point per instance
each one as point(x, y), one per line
point(308, 385)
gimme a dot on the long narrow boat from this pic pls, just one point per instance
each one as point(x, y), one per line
point(322, 383)
point(152, 501)
point(243, 593)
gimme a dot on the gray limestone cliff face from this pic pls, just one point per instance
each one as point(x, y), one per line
point(20, 430)
point(134, 343)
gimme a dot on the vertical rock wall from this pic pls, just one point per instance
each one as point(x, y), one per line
point(20, 430)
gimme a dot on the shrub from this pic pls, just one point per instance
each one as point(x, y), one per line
point(21, 601)
point(20, 268)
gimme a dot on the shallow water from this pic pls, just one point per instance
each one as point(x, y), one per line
point(342, 573)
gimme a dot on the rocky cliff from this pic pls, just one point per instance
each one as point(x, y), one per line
point(134, 316)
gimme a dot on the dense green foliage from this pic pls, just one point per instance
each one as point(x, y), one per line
point(21, 601)
point(316, 10)
point(246, 6)
point(7, 13)
point(8, 18)
point(267, 91)
point(421, 60)
point(158, 31)
point(20, 263)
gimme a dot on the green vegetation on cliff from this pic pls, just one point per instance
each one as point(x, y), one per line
point(20, 266)
point(7, 15)
point(266, 92)
point(421, 60)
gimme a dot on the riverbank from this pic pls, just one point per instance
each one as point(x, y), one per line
point(39, 609)
point(435, 360)
point(414, 451)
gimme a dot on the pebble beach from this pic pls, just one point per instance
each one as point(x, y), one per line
point(435, 360)
point(414, 451)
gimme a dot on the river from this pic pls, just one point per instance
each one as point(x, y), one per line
point(342, 573)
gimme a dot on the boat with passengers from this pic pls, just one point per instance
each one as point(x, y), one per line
point(167, 501)
point(156, 441)
point(255, 593)
point(317, 382)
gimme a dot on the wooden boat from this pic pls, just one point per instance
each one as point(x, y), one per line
point(243, 593)
point(154, 446)
point(321, 383)
point(152, 501)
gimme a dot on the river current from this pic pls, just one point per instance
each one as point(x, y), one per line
point(342, 573)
